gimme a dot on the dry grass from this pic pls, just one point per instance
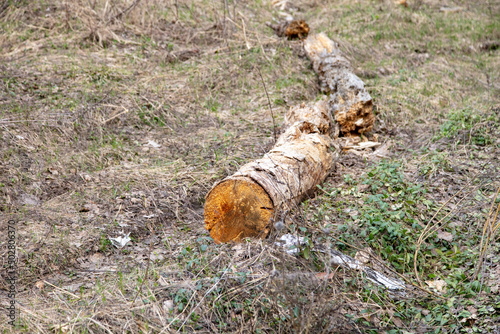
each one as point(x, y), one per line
point(85, 86)
point(489, 232)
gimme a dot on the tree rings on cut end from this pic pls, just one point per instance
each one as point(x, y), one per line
point(237, 208)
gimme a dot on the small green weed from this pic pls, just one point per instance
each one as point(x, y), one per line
point(212, 104)
point(469, 126)
point(104, 243)
point(434, 162)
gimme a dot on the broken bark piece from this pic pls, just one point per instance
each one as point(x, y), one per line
point(376, 277)
point(291, 29)
point(297, 29)
point(292, 244)
point(243, 204)
point(350, 103)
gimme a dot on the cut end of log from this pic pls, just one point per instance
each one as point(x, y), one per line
point(236, 209)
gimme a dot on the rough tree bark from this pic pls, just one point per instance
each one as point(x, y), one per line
point(349, 101)
point(243, 204)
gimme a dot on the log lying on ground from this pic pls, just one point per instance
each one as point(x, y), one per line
point(350, 103)
point(243, 204)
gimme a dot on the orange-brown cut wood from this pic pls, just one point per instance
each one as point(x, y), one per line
point(237, 208)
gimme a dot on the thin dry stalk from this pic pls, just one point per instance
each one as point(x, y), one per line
point(489, 231)
point(270, 106)
point(429, 229)
point(125, 11)
point(147, 266)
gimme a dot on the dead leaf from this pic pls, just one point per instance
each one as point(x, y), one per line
point(53, 171)
point(469, 321)
point(157, 254)
point(383, 151)
point(281, 4)
point(472, 310)
point(168, 305)
point(96, 257)
point(86, 177)
point(61, 328)
point(363, 187)
point(89, 207)
point(29, 200)
point(397, 322)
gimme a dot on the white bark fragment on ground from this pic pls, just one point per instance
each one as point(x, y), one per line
point(120, 241)
point(346, 261)
point(292, 245)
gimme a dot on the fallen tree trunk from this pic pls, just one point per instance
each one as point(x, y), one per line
point(243, 204)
